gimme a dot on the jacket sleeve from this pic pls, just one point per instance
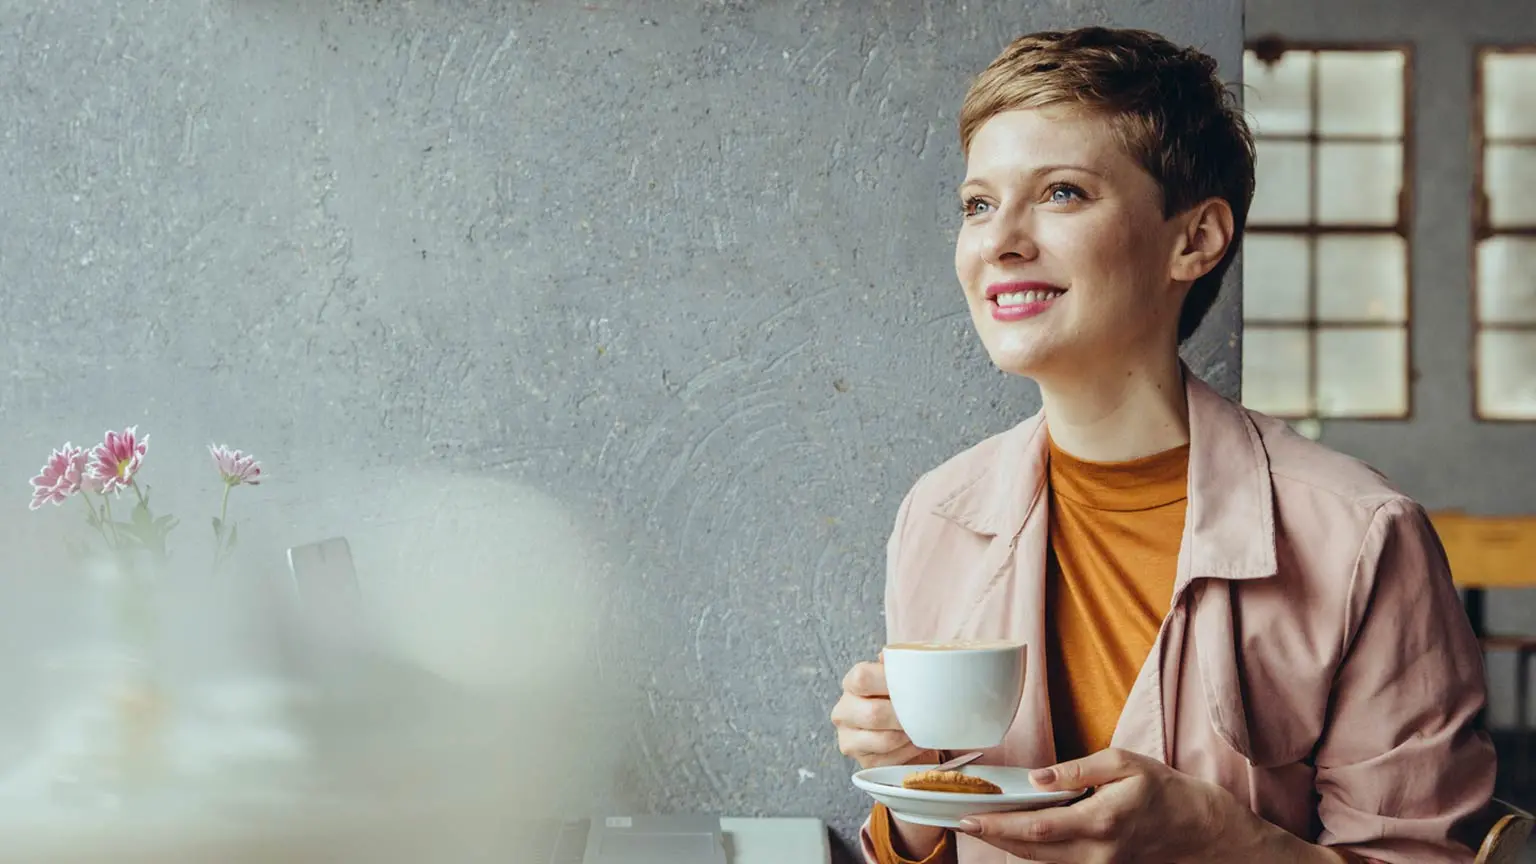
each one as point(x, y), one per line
point(875, 835)
point(895, 629)
point(1402, 768)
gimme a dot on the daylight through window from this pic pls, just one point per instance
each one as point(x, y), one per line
point(1504, 266)
point(1325, 260)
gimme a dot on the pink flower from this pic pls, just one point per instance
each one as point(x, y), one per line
point(117, 459)
point(235, 467)
point(60, 478)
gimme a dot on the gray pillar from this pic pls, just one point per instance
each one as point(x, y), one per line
point(684, 269)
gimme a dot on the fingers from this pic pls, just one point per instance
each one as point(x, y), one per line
point(867, 728)
point(867, 680)
point(1033, 852)
point(869, 747)
point(858, 712)
point(1088, 821)
point(1098, 769)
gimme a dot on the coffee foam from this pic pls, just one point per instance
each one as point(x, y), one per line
point(955, 645)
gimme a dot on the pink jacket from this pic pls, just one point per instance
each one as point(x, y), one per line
point(1316, 661)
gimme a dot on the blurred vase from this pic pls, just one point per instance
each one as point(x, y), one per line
point(118, 692)
point(140, 704)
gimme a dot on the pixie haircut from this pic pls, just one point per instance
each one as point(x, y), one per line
point(1168, 106)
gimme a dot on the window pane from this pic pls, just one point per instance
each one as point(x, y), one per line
point(1509, 95)
point(1506, 366)
point(1275, 370)
point(1358, 184)
point(1360, 93)
point(1276, 97)
point(1275, 277)
point(1362, 373)
point(1284, 178)
point(1509, 176)
point(1362, 277)
point(1506, 280)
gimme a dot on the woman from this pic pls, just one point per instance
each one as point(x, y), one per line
point(1249, 645)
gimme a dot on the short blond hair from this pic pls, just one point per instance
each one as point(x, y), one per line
point(1172, 112)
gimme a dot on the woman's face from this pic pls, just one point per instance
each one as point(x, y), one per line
point(1064, 255)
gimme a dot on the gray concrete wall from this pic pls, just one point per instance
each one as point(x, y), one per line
point(662, 291)
point(1442, 455)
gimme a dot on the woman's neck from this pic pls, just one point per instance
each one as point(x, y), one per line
point(1119, 412)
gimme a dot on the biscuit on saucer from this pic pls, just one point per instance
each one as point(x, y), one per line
point(950, 781)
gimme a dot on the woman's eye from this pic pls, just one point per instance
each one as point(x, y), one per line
point(1064, 193)
point(974, 206)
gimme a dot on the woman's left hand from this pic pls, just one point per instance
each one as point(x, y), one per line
point(1140, 810)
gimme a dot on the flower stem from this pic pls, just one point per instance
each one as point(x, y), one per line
point(220, 548)
point(106, 508)
point(96, 515)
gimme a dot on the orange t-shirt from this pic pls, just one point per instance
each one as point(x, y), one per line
point(1116, 529)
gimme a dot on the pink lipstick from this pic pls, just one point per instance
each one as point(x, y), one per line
point(1015, 301)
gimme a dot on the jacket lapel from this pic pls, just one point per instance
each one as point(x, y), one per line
point(1009, 505)
point(1229, 536)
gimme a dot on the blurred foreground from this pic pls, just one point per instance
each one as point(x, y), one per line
point(472, 711)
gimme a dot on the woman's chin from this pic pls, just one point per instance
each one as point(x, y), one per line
point(1025, 364)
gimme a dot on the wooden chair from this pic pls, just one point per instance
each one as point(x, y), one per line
point(1496, 552)
point(1504, 842)
point(1523, 648)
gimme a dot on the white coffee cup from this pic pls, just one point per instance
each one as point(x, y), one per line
point(955, 695)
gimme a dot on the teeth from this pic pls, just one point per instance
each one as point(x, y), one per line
point(1019, 298)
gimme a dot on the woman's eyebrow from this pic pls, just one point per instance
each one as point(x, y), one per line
point(974, 182)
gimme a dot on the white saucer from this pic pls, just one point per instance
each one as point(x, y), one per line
point(946, 809)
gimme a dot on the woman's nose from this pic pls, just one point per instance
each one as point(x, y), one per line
point(1010, 237)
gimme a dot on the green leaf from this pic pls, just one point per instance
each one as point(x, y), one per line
point(218, 529)
point(234, 531)
point(144, 535)
point(141, 515)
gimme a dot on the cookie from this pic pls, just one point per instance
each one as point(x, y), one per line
point(950, 781)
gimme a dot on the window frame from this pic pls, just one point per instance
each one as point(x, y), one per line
point(1482, 230)
point(1268, 49)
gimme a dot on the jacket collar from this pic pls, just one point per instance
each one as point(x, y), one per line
point(1230, 520)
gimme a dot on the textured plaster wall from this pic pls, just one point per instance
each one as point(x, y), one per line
point(1442, 455)
point(675, 275)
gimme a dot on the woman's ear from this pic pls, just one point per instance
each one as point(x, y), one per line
point(1203, 240)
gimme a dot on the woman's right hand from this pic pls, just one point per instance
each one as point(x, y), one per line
point(868, 731)
point(867, 728)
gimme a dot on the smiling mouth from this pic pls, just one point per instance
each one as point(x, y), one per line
point(1023, 298)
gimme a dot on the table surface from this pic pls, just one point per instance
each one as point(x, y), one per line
point(1489, 551)
point(439, 813)
point(777, 841)
point(749, 840)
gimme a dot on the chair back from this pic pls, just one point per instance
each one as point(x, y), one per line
point(1504, 843)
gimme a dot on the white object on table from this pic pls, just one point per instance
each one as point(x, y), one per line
point(776, 841)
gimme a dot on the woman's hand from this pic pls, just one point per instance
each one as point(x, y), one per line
point(868, 731)
point(1140, 810)
point(867, 728)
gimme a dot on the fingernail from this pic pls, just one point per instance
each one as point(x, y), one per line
point(1044, 775)
point(970, 826)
